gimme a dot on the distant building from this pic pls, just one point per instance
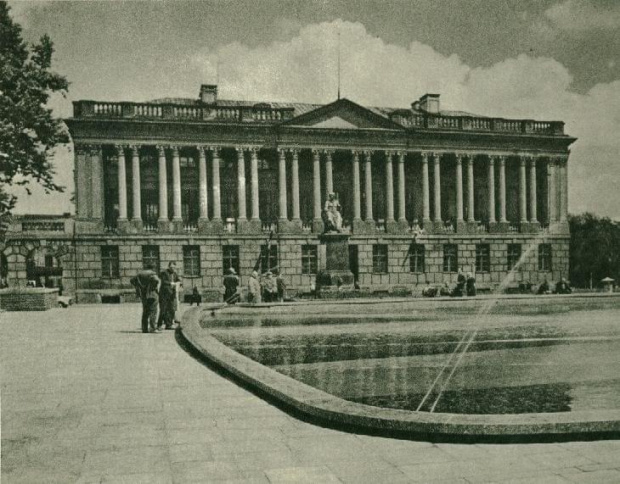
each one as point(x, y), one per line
point(213, 184)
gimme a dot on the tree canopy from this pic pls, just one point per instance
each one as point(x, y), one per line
point(28, 130)
point(594, 249)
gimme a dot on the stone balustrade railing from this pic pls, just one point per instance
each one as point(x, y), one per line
point(470, 123)
point(268, 114)
point(183, 112)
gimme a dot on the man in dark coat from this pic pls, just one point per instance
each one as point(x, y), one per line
point(147, 288)
point(167, 296)
point(231, 283)
point(461, 280)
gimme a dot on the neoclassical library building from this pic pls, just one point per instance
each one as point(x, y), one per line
point(213, 184)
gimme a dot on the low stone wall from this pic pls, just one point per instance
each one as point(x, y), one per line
point(28, 299)
point(326, 409)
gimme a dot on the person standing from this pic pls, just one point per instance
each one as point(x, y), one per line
point(167, 296)
point(269, 288)
point(231, 283)
point(254, 295)
point(459, 290)
point(147, 287)
point(471, 284)
point(280, 286)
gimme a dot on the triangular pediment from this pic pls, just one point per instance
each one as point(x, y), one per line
point(343, 114)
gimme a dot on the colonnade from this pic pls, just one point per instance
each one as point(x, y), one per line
point(557, 196)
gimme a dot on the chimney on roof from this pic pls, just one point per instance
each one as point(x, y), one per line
point(428, 103)
point(208, 93)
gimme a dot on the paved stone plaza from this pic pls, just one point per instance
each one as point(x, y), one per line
point(88, 398)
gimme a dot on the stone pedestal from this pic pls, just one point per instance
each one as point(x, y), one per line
point(249, 227)
point(392, 227)
point(317, 226)
point(290, 227)
point(462, 227)
point(499, 228)
point(337, 273)
point(165, 226)
point(363, 227)
point(210, 226)
point(429, 226)
point(529, 227)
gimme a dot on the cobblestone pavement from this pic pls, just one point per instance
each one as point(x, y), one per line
point(86, 398)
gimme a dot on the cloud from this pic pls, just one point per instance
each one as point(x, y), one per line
point(583, 15)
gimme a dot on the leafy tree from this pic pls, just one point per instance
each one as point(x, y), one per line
point(594, 249)
point(28, 130)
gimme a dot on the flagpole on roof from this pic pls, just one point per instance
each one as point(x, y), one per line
point(338, 64)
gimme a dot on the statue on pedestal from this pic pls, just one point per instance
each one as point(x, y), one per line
point(331, 214)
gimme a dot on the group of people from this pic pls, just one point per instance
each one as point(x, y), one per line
point(159, 295)
point(465, 286)
point(270, 288)
point(562, 287)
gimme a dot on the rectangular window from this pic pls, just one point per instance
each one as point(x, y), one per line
point(150, 257)
point(109, 261)
point(268, 258)
point(483, 258)
point(191, 260)
point(514, 254)
point(230, 258)
point(544, 257)
point(416, 258)
point(380, 258)
point(309, 259)
point(450, 258)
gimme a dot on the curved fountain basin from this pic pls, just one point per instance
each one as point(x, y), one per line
point(332, 410)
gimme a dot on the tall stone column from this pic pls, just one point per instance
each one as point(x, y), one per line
point(533, 200)
point(368, 185)
point(357, 209)
point(255, 215)
point(177, 215)
point(97, 192)
point(81, 176)
point(459, 188)
point(329, 174)
point(471, 208)
point(502, 190)
point(282, 185)
point(426, 196)
point(551, 188)
point(389, 187)
point(295, 187)
point(163, 184)
point(437, 191)
point(491, 185)
point(241, 200)
point(202, 184)
point(217, 195)
point(122, 184)
point(317, 223)
point(402, 217)
point(135, 172)
point(563, 166)
point(522, 190)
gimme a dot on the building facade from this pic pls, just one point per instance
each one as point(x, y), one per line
point(213, 184)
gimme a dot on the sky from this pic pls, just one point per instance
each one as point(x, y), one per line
point(534, 59)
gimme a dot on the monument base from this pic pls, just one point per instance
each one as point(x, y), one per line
point(337, 273)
